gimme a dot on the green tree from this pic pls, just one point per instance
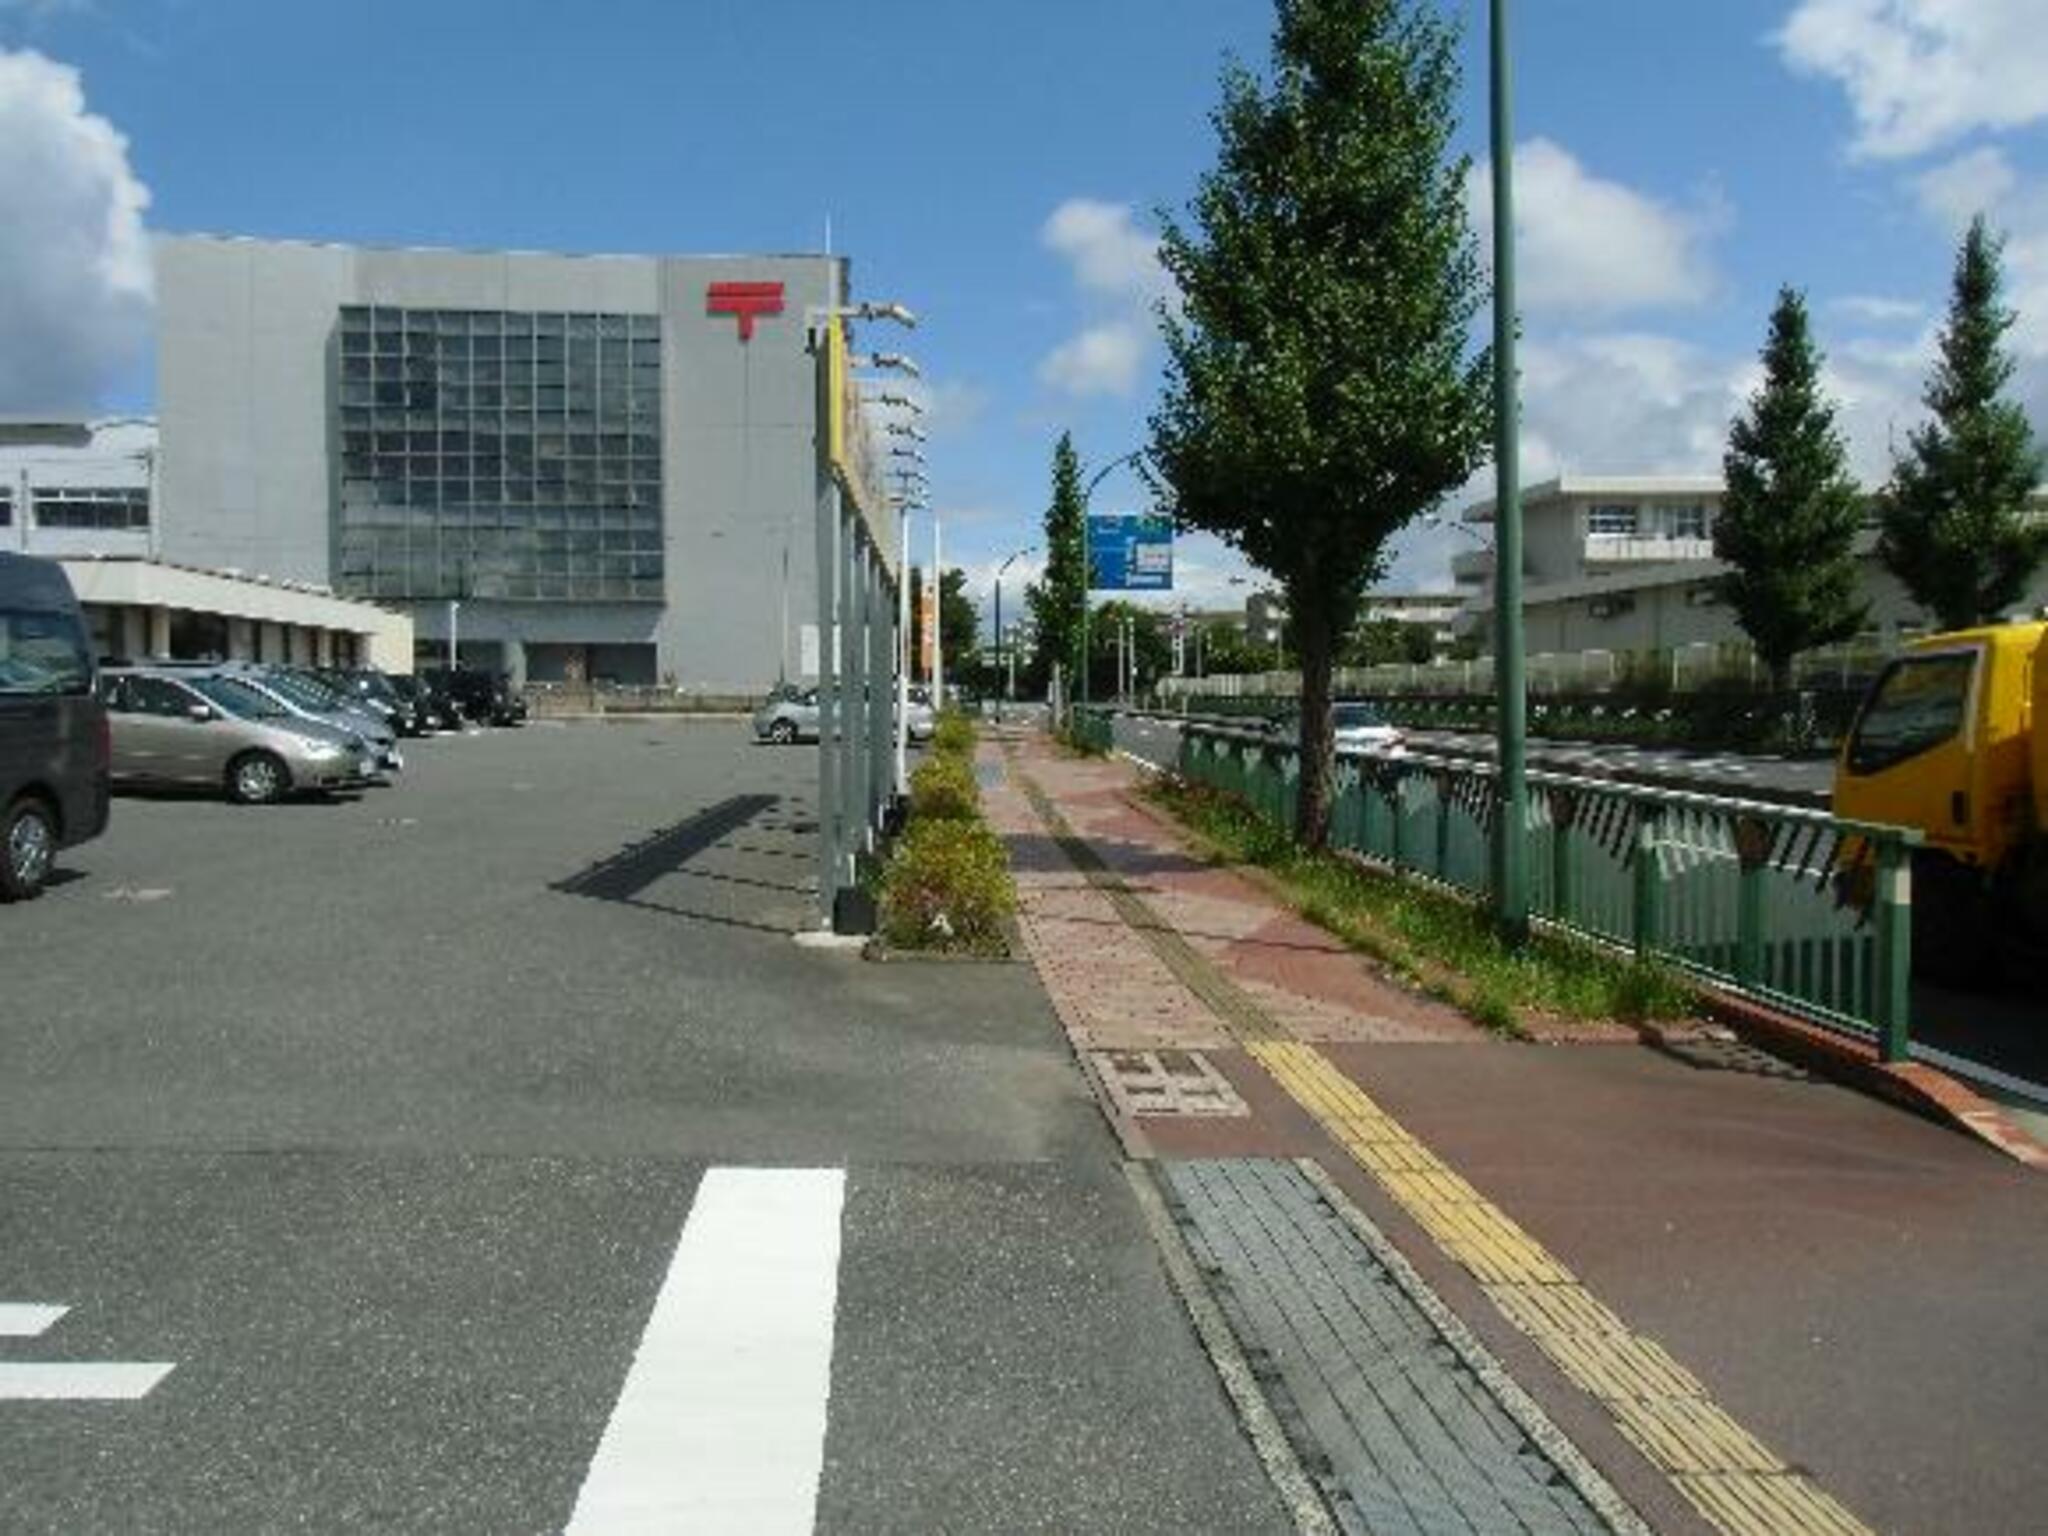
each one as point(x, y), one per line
point(1152, 644)
point(1322, 389)
point(959, 626)
point(1955, 530)
point(1788, 521)
point(1058, 598)
point(1226, 650)
point(1378, 642)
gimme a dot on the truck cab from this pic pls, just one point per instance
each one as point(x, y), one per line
point(1953, 740)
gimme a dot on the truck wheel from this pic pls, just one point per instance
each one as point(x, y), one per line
point(782, 732)
point(28, 847)
point(1955, 930)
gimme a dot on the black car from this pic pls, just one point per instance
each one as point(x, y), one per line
point(381, 692)
point(485, 697)
point(434, 708)
point(54, 745)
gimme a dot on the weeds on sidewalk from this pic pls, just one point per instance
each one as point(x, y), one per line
point(1444, 944)
point(947, 886)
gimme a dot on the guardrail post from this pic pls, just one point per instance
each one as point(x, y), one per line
point(1892, 1006)
point(1397, 782)
point(1443, 825)
point(1753, 837)
point(1649, 886)
point(1564, 854)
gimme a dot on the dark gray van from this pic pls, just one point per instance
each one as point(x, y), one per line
point(53, 730)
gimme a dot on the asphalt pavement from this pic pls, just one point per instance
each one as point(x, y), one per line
point(381, 1128)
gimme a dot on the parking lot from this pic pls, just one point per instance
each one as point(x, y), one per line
point(375, 1120)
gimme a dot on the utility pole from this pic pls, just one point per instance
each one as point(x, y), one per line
point(1511, 812)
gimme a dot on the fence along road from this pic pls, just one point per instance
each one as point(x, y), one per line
point(1738, 892)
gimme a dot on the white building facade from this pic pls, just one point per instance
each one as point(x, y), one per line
point(1626, 565)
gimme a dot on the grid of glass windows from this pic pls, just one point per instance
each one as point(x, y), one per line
point(494, 454)
point(1612, 522)
point(93, 507)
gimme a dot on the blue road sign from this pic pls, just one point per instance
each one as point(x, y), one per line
point(1130, 552)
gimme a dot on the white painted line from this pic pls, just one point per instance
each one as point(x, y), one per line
point(27, 1319)
point(116, 1380)
point(720, 1425)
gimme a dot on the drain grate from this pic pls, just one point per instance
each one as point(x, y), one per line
point(1165, 1083)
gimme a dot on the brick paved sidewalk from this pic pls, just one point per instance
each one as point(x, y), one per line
point(1703, 1202)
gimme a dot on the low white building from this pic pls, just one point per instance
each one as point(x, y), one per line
point(82, 492)
point(1626, 564)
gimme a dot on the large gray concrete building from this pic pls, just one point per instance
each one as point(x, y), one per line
point(601, 467)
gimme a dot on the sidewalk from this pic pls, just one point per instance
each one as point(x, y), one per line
point(1754, 1301)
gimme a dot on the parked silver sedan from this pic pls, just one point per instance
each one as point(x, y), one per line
point(213, 730)
point(791, 714)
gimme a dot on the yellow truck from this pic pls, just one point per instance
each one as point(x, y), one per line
point(1953, 740)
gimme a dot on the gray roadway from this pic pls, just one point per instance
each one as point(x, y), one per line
point(382, 1124)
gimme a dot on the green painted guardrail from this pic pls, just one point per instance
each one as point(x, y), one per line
point(1797, 908)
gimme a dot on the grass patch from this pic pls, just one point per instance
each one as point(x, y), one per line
point(1429, 936)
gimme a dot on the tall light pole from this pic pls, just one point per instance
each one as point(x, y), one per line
point(1010, 560)
point(1511, 813)
point(904, 501)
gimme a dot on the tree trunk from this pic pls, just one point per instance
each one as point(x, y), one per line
point(1314, 635)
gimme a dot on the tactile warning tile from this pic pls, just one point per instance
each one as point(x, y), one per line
point(1402, 1427)
point(1165, 1083)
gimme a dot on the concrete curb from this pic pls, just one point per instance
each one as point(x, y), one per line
point(1913, 1085)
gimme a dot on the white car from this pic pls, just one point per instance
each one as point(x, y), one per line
point(1362, 728)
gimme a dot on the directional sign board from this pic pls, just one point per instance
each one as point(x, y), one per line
point(1130, 552)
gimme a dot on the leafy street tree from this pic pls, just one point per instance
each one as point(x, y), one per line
point(1378, 642)
point(1954, 516)
point(1788, 521)
point(1322, 390)
point(1059, 597)
point(959, 623)
point(1226, 649)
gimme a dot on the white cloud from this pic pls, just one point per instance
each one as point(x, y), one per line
point(1590, 246)
point(1956, 192)
point(1923, 73)
point(1875, 309)
point(1101, 360)
point(75, 283)
point(1115, 265)
point(1109, 254)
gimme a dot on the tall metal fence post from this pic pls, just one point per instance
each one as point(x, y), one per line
point(829, 841)
point(1752, 849)
point(1649, 888)
point(1892, 1006)
point(849, 682)
point(1564, 860)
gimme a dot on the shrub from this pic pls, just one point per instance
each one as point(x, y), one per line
point(948, 888)
point(953, 735)
point(943, 789)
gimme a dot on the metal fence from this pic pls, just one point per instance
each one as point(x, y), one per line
point(1797, 908)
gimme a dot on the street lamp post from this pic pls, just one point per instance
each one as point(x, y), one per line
point(1088, 555)
point(1012, 690)
point(1511, 860)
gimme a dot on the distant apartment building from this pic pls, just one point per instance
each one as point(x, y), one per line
point(1626, 563)
point(81, 491)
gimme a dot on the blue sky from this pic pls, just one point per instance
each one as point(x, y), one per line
point(998, 169)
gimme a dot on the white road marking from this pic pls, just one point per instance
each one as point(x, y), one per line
point(54, 1380)
point(27, 1319)
point(720, 1425)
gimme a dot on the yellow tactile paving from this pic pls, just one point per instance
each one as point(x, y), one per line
point(1730, 1476)
point(1789, 1505)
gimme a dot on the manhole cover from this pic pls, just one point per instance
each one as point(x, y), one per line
point(1165, 1083)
